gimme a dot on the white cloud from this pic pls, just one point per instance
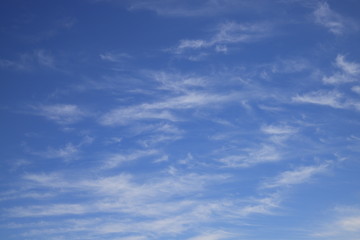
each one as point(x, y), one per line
point(263, 154)
point(221, 48)
point(228, 33)
point(132, 238)
point(52, 210)
point(191, 100)
point(290, 65)
point(161, 109)
point(356, 89)
point(48, 180)
point(125, 116)
point(296, 176)
point(278, 134)
point(351, 68)
point(178, 83)
point(344, 225)
point(321, 97)
point(263, 205)
point(350, 223)
point(117, 159)
point(183, 92)
point(68, 152)
point(152, 198)
point(159, 138)
point(114, 57)
point(113, 140)
point(153, 134)
point(186, 220)
point(350, 72)
point(19, 163)
point(61, 113)
point(333, 21)
point(217, 235)
point(333, 99)
point(192, 44)
point(338, 78)
point(188, 8)
point(28, 61)
point(44, 58)
point(161, 206)
point(232, 32)
point(278, 129)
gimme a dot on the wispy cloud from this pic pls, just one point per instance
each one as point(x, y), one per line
point(188, 8)
point(125, 116)
point(345, 224)
point(331, 20)
point(351, 68)
point(279, 133)
point(290, 65)
point(174, 203)
point(296, 176)
point(118, 159)
point(253, 156)
point(327, 98)
point(28, 61)
point(67, 152)
point(350, 223)
point(158, 193)
point(350, 71)
point(356, 89)
point(178, 83)
point(114, 57)
point(278, 129)
point(227, 33)
point(333, 99)
point(153, 134)
point(163, 109)
point(52, 210)
point(217, 235)
point(60, 113)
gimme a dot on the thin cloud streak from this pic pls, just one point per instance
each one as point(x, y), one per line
point(251, 157)
point(331, 20)
point(227, 33)
point(327, 98)
point(64, 114)
point(350, 72)
point(28, 61)
point(162, 109)
point(187, 8)
point(296, 176)
point(345, 224)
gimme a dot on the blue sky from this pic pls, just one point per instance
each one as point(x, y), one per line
point(183, 120)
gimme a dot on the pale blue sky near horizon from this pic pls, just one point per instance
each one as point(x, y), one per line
point(180, 120)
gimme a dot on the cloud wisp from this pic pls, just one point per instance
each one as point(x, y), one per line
point(28, 61)
point(228, 33)
point(162, 206)
point(63, 114)
point(296, 176)
point(188, 8)
point(164, 110)
point(327, 98)
point(345, 224)
point(252, 156)
point(349, 72)
point(331, 20)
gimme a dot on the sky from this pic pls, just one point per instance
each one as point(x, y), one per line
point(180, 120)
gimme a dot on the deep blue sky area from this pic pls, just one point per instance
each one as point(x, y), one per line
point(180, 120)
